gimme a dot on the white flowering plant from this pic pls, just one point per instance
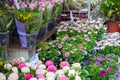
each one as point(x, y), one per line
point(110, 43)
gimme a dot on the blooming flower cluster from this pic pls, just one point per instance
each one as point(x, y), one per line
point(110, 39)
point(110, 43)
point(34, 13)
point(73, 41)
point(103, 67)
point(79, 26)
point(22, 70)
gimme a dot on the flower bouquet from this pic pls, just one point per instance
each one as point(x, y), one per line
point(6, 21)
point(28, 20)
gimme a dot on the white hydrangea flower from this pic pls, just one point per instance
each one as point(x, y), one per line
point(71, 72)
point(7, 66)
point(25, 70)
point(50, 78)
point(33, 79)
point(15, 69)
point(39, 62)
point(41, 66)
point(76, 65)
point(28, 64)
point(66, 69)
point(2, 76)
point(22, 59)
point(77, 77)
point(13, 76)
point(41, 79)
point(59, 72)
point(50, 74)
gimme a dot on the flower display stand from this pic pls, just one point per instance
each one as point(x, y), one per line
point(81, 14)
point(15, 51)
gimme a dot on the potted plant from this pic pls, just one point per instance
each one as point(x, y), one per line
point(6, 21)
point(111, 11)
point(28, 20)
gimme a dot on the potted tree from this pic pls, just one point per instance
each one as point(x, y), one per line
point(6, 21)
point(111, 11)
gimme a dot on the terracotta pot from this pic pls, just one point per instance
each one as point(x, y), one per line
point(118, 25)
point(113, 27)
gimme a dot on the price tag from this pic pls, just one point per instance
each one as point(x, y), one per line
point(16, 3)
point(34, 60)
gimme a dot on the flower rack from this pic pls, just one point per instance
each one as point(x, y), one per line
point(80, 14)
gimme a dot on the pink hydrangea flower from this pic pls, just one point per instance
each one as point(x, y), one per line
point(64, 78)
point(39, 71)
point(16, 62)
point(21, 65)
point(49, 62)
point(28, 76)
point(64, 63)
point(40, 76)
point(52, 68)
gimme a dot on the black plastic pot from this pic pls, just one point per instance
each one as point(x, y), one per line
point(42, 32)
point(51, 25)
point(4, 38)
point(31, 40)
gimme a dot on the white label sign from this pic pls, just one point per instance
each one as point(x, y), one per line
point(34, 60)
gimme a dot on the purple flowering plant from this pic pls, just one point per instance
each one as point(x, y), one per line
point(103, 67)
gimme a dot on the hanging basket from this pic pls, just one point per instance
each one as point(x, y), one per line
point(4, 38)
point(113, 27)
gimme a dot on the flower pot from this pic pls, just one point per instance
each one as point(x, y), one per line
point(31, 40)
point(4, 38)
point(112, 27)
point(42, 32)
point(51, 25)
